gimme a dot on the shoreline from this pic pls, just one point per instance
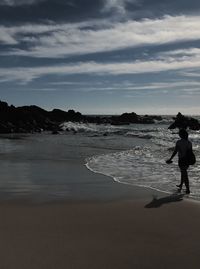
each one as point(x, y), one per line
point(118, 234)
point(102, 224)
point(83, 183)
point(151, 190)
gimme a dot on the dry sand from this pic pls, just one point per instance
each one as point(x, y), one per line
point(119, 234)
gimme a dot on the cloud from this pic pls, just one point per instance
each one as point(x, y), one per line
point(133, 89)
point(190, 73)
point(61, 40)
point(39, 89)
point(117, 6)
point(33, 33)
point(16, 11)
point(19, 2)
point(160, 64)
point(13, 12)
point(171, 85)
point(181, 52)
point(6, 37)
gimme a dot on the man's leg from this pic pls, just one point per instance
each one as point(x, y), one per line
point(184, 175)
point(182, 180)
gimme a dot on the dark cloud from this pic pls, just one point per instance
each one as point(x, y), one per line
point(156, 8)
point(55, 10)
point(20, 11)
point(14, 3)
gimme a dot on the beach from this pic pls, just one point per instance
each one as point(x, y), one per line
point(115, 234)
point(95, 222)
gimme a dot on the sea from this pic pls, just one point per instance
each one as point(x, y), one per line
point(143, 165)
point(49, 167)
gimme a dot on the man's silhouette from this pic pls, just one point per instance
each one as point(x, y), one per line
point(182, 147)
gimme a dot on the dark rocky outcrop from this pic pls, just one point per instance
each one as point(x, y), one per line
point(127, 118)
point(28, 119)
point(124, 119)
point(181, 121)
point(61, 116)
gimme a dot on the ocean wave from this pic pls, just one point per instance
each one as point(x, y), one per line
point(78, 127)
point(103, 128)
point(139, 135)
point(159, 135)
point(164, 121)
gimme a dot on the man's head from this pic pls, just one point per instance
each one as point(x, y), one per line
point(183, 134)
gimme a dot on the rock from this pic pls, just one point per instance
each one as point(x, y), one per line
point(5, 129)
point(61, 116)
point(127, 118)
point(30, 119)
point(55, 132)
point(181, 121)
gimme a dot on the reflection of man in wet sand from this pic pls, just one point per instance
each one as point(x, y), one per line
point(183, 145)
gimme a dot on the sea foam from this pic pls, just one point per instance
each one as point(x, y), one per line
point(145, 165)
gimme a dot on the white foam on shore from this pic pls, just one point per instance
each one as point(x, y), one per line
point(143, 167)
point(120, 182)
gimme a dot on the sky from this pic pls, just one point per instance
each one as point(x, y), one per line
point(101, 56)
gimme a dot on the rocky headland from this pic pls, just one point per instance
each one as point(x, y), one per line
point(30, 119)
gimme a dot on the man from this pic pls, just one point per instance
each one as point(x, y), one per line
point(183, 146)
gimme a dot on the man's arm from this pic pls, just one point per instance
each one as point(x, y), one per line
point(173, 154)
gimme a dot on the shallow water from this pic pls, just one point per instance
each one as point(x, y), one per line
point(44, 167)
point(145, 165)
